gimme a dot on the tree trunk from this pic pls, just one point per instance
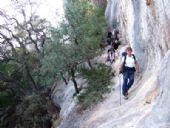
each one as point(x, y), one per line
point(89, 63)
point(74, 81)
point(75, 85)
point(63, 78)
point(31, 78)
point(76, 41)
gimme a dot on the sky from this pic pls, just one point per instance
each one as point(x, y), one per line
point(47, 9)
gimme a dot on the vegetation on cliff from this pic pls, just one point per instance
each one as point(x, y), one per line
point(33, 54)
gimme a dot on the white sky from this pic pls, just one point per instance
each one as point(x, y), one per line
point(47, 9)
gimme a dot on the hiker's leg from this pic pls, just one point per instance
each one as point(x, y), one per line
point(131, 80)
point(125, 80)
point(108, 55)
point(112, 57)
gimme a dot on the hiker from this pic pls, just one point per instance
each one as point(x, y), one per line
point(113, 44)
point(109, 38)
point(116, 41)
point(116, 33)
point(111, 55)
point(109, 47)
point(128, 68)
point(116, 44)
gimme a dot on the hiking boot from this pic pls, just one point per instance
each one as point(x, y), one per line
point(125, 97)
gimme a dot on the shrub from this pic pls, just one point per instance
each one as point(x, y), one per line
point(6, 99)
point(32, 112)
point(98, 78)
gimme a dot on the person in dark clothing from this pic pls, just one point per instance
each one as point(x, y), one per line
point(116, 34)
point(109, 38)
point(115, 44)
point(109, 34)
point(111, 55)
point(116, 41)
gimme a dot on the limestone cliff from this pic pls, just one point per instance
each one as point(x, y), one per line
point(145, 25)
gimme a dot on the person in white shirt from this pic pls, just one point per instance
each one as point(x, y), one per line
point(128, 68)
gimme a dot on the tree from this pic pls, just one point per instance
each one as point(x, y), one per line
point(58, 60)
point(22, 42)
point(22, 39)
point(76, 40)
point(86, 27)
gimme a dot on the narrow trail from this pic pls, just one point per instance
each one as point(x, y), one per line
point(109, 113)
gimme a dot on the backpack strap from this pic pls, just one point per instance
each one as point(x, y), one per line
point(125, 59)
point(134, 58)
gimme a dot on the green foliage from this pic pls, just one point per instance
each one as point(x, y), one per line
point(16, 72)
point(20, 53)
point(34, 112)
point(6, 99)
point(86, 26)
point(31, 113)
point(57, 58)
point(98, 80)
point(11, 71)
point(75, 41)
point(11, 68)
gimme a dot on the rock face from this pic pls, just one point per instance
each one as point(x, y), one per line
point(63, 96)
point(160, 115)
point(145, 26)
point(111, 12)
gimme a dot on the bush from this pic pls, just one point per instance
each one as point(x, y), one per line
point(32, 112)
point(6, 99)
point(99, 78)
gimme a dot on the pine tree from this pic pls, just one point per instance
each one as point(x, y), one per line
point(76, 41)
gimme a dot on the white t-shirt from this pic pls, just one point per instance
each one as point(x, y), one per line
point(130, 62)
